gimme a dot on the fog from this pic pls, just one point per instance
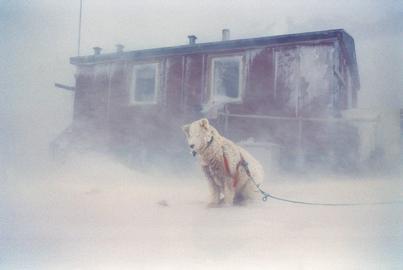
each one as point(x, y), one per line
point(92, 212)
point(38, 37)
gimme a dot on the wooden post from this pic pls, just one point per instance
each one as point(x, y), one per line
point(300, 159)
point(300, 154)
point(226, 120)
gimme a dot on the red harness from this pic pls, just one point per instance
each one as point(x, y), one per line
point(235, 177)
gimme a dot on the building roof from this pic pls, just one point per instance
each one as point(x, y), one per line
point(346, 42)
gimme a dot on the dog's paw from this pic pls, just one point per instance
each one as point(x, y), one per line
point(214, 204)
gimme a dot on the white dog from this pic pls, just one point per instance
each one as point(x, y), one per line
point(225, 165)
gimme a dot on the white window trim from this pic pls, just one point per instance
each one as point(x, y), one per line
point(133, 84)
point(213, 95)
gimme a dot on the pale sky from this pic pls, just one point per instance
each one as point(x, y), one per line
point(39, 36)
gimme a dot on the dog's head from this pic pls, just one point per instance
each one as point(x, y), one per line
point(199, 135)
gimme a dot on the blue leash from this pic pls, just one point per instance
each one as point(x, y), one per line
point(266, 195)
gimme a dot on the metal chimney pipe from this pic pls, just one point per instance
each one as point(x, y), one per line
point(97, 50)
point(119, 48)
point(225, 34)
point(192, 39)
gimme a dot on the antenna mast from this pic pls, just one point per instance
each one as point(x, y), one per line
point(79, 28)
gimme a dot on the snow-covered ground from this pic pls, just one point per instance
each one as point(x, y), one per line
point(96, 214)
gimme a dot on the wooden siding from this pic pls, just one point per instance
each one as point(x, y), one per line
point(291, 80)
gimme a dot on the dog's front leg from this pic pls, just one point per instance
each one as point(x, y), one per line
point(229, 192)
point(213, 187)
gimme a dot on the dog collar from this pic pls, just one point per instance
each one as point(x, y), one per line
point(208, 144)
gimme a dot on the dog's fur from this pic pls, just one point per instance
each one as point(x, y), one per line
point(228, 184)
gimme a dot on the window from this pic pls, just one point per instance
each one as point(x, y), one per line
point(144, 84)
point(226, 78)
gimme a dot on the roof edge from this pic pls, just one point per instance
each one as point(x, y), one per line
point(210, 46)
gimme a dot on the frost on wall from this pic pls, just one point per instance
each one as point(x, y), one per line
point(286, 78)
point(304, 79)
point(316, 78)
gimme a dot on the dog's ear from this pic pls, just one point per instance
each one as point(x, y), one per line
point(185, 129)
point(204, 123)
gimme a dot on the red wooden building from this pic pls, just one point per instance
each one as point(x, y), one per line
point(276, 89)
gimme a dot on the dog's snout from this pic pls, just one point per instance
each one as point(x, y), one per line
point(192, 146)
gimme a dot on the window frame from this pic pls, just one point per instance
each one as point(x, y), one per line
point(132, 90)
point(241, 78)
